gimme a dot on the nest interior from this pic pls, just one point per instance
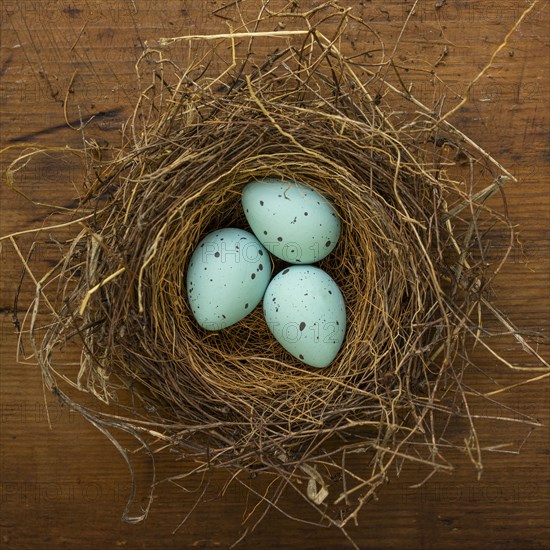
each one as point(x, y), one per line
point(407, 264)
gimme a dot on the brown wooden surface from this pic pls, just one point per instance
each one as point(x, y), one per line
point(67, 487)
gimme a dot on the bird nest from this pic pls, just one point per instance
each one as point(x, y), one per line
point(412, 193)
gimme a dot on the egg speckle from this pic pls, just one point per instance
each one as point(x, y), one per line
point(227, 277)
point(305, 311)
point(293, 221)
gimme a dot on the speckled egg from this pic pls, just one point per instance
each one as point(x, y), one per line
point(293, 221)
point(305, 311)
point(227, 277)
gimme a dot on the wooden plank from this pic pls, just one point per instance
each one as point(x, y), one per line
point(67, 487)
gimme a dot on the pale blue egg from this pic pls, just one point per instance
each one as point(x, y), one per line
point(226, 277)
point(293, 221)
point(305, 311)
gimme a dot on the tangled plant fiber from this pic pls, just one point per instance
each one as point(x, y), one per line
point(411, 191)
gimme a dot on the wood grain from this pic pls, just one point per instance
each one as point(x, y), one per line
point(67, 487)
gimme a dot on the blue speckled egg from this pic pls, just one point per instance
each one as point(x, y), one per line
point(305, 311)
point(293, 221)
point(227, 277)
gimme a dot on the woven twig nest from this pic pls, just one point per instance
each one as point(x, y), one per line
point(410, 190)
